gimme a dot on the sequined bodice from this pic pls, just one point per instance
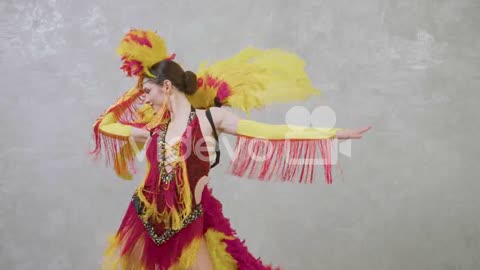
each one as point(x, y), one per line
point(191, 152)
point(169, 156)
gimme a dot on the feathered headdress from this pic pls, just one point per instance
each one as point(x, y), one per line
point(139, 51)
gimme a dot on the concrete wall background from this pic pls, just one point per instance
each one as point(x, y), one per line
point(408, 198)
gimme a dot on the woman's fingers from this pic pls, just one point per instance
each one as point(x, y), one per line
point(363, 130)
point(352, 133)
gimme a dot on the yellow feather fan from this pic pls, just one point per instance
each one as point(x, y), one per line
point(252, 79)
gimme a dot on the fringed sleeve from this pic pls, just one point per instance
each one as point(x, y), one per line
point(112, 131)
point(282, 152)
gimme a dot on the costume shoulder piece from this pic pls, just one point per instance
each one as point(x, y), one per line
point(252, 79)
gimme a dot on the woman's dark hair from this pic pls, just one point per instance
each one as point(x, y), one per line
point(185, 81)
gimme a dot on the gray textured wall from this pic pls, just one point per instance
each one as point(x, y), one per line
point(408, 198)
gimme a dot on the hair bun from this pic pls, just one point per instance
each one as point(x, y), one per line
point(190, 82)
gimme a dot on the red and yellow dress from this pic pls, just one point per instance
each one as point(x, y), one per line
point(142, 242)
point(164, 224)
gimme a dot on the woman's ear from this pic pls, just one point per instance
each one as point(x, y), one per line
point(168, 85)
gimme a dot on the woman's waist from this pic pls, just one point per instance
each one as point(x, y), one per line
point(158, 231)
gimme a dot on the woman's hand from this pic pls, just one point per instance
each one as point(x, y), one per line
point(351, 133)
point(140, 135)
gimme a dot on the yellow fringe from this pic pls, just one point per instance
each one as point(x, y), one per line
point(158, 117)
point(149, 209)
point(144, 114)
point(188, 257)
point(174, 218)
point(171, 218)
point(130, 261)
point(115, 137)
point(217, 249)
point(111, 259)
point(185, 192)
point(128, 152)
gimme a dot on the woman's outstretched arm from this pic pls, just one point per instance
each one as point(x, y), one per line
point(285, 152)
point(111, 127)
point(230, 123)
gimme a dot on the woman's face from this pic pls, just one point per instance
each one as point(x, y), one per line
point(155, 94)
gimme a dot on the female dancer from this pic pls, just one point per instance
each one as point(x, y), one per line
point(173, 221)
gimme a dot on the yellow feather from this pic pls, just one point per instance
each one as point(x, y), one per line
point(133, 47)
point(217, 248)
point(257, 78)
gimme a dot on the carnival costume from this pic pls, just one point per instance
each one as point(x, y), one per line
point(163, 225)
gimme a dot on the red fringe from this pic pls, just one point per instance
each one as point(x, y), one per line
point(287, 160)
point(153, 177)
point(132, 228)
point(169, 199)
point(169, 191)
point(131, 67)
point(112, 145)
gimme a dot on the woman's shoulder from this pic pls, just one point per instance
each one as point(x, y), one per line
point(215, 113)
point(203, 122)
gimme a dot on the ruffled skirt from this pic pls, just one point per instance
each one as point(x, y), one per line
point(132, 247)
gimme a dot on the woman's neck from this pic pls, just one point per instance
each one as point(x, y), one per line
point(180, 104)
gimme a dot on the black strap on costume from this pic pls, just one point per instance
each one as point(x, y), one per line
point(192, 109)
point(217, 145)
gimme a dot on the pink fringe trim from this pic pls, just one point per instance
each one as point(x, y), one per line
point(287, 160)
